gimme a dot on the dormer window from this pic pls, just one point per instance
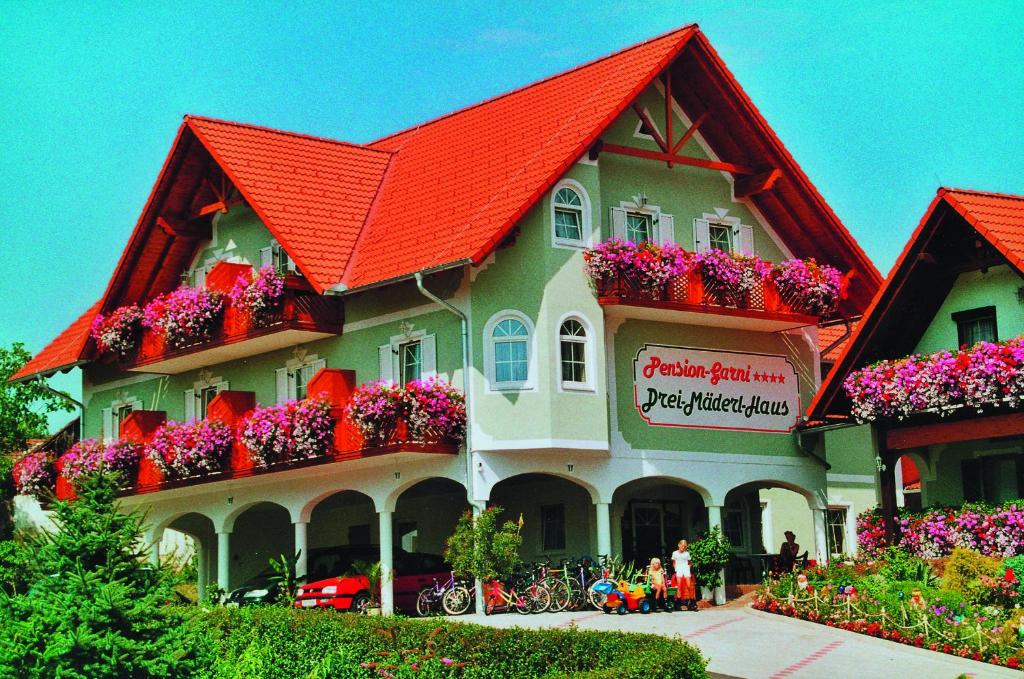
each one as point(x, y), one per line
point(976, 325)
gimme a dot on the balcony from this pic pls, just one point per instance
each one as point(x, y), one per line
point(685, 299)
point(303, 316)
point(232, 407)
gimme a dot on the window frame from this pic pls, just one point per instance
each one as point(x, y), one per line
point(293, 382)
point(647, 217)
point(830, 533)
point(729, 235)
point(962, 318)
point(585, 215)
point(544, 528)
point(530, 383)
point(589, 354)
point(402, 348)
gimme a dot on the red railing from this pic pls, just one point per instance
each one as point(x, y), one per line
point(300, 309)
point(232, 407)
point(690, 292)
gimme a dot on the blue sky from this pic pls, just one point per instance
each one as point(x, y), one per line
point(879, 103)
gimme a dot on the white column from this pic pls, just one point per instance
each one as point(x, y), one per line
point(820, 539)
point(387, 592)
point(223, 560)
point(302, 549)
point(202, 568)
point(604, 529)
point(715, 519)
point(478, 584)
point(154, 539)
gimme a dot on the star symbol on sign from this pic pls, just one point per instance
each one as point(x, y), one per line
point(757, 377)
point(773, 378)
point(782, 378)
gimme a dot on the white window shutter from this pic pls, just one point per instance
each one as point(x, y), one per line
point(428, 356)
point(190, 404)
point(701, 235)
point(666, 229)
point(386, 363)
point(618, 219)
point(282, 385)
point(266, 256)
point(108, 425)
point(746, 240)
point(221, 386)
point(313, 368)
point(200, 278)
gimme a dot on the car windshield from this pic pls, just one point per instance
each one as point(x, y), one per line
point(334, 563)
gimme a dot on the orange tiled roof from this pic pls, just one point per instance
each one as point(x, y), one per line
point(828, 335)
point(65, 351)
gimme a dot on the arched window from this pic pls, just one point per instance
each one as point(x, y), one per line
point(570, 214)
point(510, 343)
point(572, 344)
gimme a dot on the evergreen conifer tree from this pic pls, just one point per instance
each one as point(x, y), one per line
point(95, 608)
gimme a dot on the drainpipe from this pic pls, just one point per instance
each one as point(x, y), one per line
point(464, 322)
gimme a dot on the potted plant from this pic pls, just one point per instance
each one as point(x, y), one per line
point(372, 573)
point(710, 553)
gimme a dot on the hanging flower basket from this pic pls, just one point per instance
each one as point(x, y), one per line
point(34, 474)
point(435, 411)
point(260, 298)
point(185, 316)
point(91, 456)
point(118, 332)
point(374, 409)
point(194, 448)
point(808, 287)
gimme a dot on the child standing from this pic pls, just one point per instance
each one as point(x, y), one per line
point(685, 589)
point(656, 579)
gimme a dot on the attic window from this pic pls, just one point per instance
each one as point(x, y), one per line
point(976, 325)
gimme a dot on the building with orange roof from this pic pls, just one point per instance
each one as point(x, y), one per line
point(615, 415)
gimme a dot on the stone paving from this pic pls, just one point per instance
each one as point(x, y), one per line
point(743, 642)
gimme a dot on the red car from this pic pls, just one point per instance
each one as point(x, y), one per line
point(413, 572)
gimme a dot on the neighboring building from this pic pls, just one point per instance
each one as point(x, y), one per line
point(959, 281)
point(491, 208)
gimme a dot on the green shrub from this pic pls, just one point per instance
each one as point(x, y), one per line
point(280, 643)
point(965, 567)
point(481, 549)
point(710, 553)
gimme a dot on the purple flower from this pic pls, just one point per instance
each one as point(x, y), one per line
point(194, 448)
point(34, 474)
point(185, 316)
point(261, 297)
point(118, 332)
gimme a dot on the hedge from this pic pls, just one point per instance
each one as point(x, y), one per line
point(288, 643)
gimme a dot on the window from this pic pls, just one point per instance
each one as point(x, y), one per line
point(720, 237)
point(293, 380)
point(639, 227)
point(835, 527)
point(411, 361)
point(511, 362)
point(568, 215)
point(976, 325)
point(572, 340)
point(552, 521)
point(735, 525)
point(204, 396)
point(274, 255)
point(120, 413)
point(305, 374)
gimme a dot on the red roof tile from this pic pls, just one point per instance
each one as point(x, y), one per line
point(63, 352)
point(998, 217)
point(829, 335)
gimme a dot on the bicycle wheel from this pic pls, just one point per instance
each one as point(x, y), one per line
point(520, 602)
point(456, 601)
point(425, 602)
point(539, 599)
point(576, 596)
point(560, 595)
point(597, 599)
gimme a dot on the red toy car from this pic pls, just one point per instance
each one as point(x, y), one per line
point(413, 572)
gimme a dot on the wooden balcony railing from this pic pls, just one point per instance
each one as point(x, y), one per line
point(232, 407)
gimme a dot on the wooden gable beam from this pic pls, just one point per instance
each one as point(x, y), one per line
point(662, 144)
point(690, 132)
point(750, 184)
point(193, 228)
point(680, 160)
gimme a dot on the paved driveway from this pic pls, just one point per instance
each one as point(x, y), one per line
point(743, 642)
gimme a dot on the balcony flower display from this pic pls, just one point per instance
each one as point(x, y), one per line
point(934, 533)
point(434, 409)
point(89, 456)
point(729, 278)
point(645, 265)
point(293, 430)
point(809, 287)
point(34, 474)
point(261, 296)
point(987, 374)
point(118, 331)
point(374, 409)
point(185, 316)
point(194, 448)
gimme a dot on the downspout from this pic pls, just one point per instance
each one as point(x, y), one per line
point(464, 322)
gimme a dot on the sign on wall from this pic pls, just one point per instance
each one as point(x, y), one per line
point(686, 387)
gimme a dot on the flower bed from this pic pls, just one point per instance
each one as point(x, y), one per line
point(185, 316)
point(34, 474)
point(194, 448)
point(900, 601)
point(118, 332)
point(987, 374)
point(293, 430)
point(91, 456)
point(807, 286)
point(433, 409)
point(934, 533)
point(261, 297)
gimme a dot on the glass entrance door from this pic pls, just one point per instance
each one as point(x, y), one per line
point(655, 527)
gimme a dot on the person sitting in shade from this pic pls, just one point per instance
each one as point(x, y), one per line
point(656, 579)
point(788, 552)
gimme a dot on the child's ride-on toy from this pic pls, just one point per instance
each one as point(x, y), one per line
point(627, 598)
point(688, 599)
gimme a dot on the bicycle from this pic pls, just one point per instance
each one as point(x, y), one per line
point(529, 598)
point(454, 598)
